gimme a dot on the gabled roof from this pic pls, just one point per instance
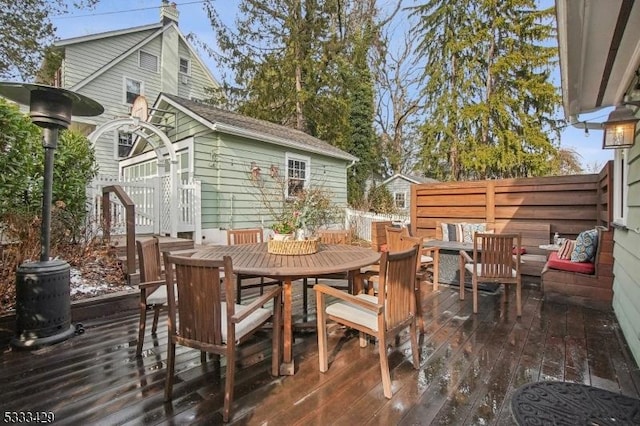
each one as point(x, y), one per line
point(409, 178)
point(160, 29)
point(228, 122)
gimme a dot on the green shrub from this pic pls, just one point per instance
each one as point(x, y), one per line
point(21, 179)
point(380, 200)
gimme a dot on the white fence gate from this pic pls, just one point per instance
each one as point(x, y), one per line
point(360, 222)
point(153, 207)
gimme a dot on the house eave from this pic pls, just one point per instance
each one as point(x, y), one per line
point(237, 131)
point(98, 36)
point(599, 49)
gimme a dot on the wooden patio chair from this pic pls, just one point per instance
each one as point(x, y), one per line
point(493, 261)
point(247, 236)
point(204, 321)
point(329, 237)
point(400, 241)
point(153, 292)
point(383, 316)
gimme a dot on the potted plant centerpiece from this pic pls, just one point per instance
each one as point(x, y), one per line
point(295, 217)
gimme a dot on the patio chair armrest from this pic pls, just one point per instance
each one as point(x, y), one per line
point(430, 251)
point(148, 284)
point(466, 256)
point(274, 293)
point(330, 291)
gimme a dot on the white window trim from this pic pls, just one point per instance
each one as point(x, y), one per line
point(188, 65)
point(290, 156)
point(621, 186)
point(124, 88)
point(404, 193)
point(133, 140)
point(151, 155)
point(140, 52)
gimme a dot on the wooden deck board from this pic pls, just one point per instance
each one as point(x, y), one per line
point(470, 367)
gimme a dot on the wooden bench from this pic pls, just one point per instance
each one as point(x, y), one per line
point(590, 290)
point(533, 235)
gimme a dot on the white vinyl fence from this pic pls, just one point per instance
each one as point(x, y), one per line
point(153, 209)
point(360, 222)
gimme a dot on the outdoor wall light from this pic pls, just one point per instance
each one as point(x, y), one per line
point(620, 128)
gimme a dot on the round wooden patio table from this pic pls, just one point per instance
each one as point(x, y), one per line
point(254, 259)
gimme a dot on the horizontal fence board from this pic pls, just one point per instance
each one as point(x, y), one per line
point(452, 211)
point(569, 204)
point(453, 200)
point(561, 198)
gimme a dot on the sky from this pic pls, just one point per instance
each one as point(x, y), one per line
point(118, 14)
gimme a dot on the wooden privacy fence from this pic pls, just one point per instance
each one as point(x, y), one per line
point(570, 204)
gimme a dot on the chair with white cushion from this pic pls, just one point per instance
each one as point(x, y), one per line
point(205, 321)
point(493, 261)
point(383, 316)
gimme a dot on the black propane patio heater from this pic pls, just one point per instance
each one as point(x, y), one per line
point(43, 293)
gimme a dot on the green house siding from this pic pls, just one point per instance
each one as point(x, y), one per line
point(229, 199)
point(626, 285)
point(84, 58)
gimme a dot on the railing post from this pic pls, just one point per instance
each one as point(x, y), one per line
point(197, 211)
point(130, 209)
point(106, 215)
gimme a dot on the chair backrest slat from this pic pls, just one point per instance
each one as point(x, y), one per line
point(495, 252)
point(394, 234)
point(334, 236)
point(244, 236)
point(199, 313)
point(397, 285)
point(149, 259)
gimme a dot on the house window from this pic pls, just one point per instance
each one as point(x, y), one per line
point(132, 89)
point(620, 182)
point(148, 62)
point(400, 199)
point(185, 66)
point(125, 143)
point(297, 174)
point(182, 168)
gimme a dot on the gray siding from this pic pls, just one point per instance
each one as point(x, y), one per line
point(626, 252)
point(401, 185)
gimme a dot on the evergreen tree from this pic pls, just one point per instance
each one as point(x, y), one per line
point(25, 29)
point(304, 64)
point(490, 98)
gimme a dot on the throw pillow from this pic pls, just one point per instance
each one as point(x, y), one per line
point(451, 231)
point(468, 229)
point(586, 245)
point(566, 249)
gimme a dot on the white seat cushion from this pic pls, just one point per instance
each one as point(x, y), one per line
point(248, 324)
point(158, 297)
point(469, 267)
point(355, 313)
point(426, 259)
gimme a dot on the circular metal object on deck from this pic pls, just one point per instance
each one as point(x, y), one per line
point(50, 106)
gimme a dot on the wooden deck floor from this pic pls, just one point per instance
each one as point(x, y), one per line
point(470, 366)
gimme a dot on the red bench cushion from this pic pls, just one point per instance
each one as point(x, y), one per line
point(555, 262)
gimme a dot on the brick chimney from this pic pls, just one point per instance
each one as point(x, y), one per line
point(168, 12)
